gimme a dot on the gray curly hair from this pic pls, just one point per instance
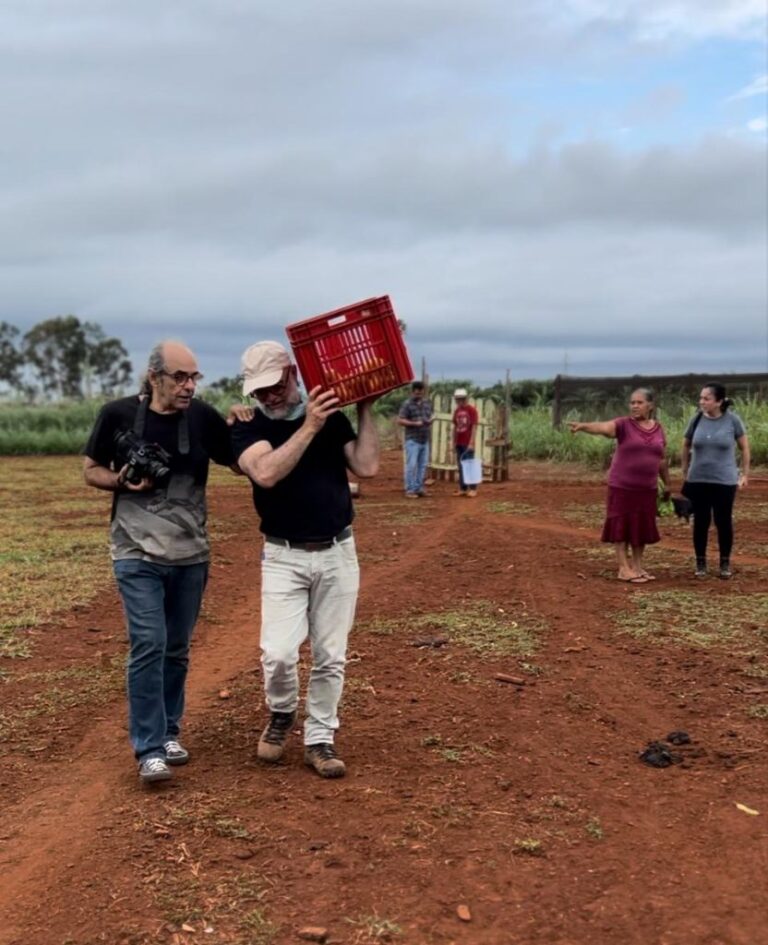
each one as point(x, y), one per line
point(155, 364)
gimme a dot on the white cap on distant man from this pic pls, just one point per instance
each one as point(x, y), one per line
point(263, 365)
point(460, 392)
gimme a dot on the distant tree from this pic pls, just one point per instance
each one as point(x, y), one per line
point(224, 392)
point(449, 386)
point(522, 393)
point(11, 358)
point(389, 404)
point(55, 350)
point(68, 357)
point(231, 386)
point(106, 362)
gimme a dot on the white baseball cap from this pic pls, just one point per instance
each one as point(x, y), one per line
point(263, 365)
point(460, 392)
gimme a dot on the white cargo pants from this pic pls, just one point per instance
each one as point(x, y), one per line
point(307, 594)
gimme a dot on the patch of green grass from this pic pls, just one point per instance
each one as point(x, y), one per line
point(759, 711)
point(528, 846)
point(56, 691)
point(480, 626)
point(432, 741)
point(453, 814)
point(406, 512)
point(54, 541)
point(230, 827)
point(533, 669)
point(407, 516)
point(223, 478)
point(178, 899)
point(698, 619)
point(511, 508)
point(594, 828)
point(461, 676)
point(228, 903)
point(451, 754)
point(261, 931)
point(757, 670)
point(557, 801)
point(585, 515)
point(12, 643)
point(54, 544)
point(751, 512)
point(374, 928)
point(755, 549)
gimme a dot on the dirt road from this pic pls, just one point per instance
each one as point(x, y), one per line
point(526, 805)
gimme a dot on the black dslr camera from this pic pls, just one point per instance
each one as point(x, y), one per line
point(144, 460)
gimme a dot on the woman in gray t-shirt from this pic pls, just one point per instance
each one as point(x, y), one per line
point(711, 474)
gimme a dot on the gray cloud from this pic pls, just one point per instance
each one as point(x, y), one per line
point(217, 171)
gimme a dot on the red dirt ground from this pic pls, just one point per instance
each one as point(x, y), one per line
point(526, 804)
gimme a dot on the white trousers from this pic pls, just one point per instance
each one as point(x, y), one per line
point(307, 594)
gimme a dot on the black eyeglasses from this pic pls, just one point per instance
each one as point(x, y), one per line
point(180, 378)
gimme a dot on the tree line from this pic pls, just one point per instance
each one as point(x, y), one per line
point(62, 357)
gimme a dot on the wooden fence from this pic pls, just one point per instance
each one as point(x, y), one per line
point(491, 442)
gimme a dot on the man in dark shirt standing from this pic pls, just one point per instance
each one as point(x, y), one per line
point(158, 539)
point(416, 416)
point(296, 452)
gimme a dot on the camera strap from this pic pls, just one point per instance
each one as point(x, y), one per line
point(183, 433)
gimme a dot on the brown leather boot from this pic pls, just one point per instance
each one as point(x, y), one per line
point(323, 759)
point(273, 738)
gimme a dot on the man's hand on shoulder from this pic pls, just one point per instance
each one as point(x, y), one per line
point(320, 405)
point(242, 412)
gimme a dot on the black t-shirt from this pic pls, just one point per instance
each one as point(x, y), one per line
point(313, 502)
point(208, 436)
point(165, 524)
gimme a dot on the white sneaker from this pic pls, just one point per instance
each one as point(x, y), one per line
point(154, 769)
point(175, 752)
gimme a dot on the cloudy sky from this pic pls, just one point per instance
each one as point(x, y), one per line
point(537, 184)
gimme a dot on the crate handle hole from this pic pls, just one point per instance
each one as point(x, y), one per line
point(339, 320)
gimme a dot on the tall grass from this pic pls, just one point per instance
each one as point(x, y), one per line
point(51, 429)
point(64, 429)
point(533, 436)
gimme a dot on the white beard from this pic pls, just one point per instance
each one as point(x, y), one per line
point(289, 412)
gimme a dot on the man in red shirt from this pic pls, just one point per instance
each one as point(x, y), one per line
point(464, 432)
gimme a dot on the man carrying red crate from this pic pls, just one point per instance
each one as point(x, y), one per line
point(416, 417)
point(296, 451)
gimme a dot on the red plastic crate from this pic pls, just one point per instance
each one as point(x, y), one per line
point(357, 350)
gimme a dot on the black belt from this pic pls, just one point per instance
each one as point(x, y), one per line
point(343, 535)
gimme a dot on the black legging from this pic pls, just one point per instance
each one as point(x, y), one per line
point(712, 499)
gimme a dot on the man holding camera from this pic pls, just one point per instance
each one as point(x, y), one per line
point(296, 451)
point(152, 451)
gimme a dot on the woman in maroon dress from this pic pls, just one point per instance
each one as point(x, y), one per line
point(639, 460)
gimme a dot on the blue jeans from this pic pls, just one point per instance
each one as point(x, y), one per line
point(463, 452)
point(416, 459)
point(162, 603)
